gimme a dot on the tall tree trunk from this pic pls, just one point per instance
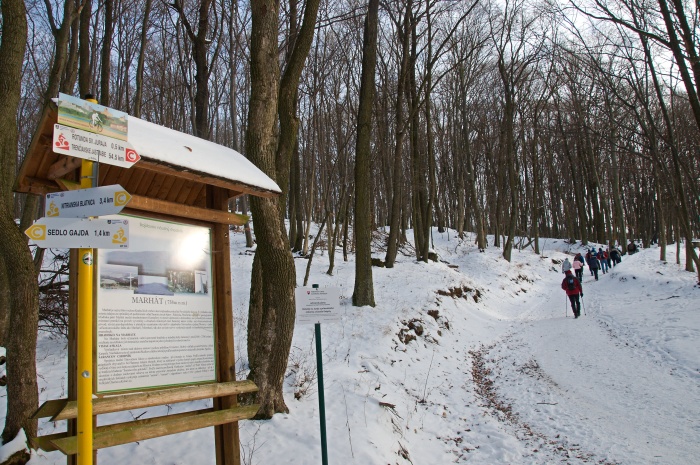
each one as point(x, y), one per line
point(233, 105)
point(84, 69)
point(246, 227)
point(507, 147)
point(535, 188)
point(419, 195)
point(661, 216)
point(619, 216)
point(429, 190)
point(71, 74)
point(296, 214)
point(684, 212)
point(593, 183)
point(201, 40)
point(271, 311)
point(289, 87)
point(346, 227)
point(397, 173)
point(17, 263)
point(106, 68)
point(470, 168)
point(578, 181)
point(138, 97)
point(309, 207)
point(363, 293)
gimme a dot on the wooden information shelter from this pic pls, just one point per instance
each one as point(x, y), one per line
point(178, 178)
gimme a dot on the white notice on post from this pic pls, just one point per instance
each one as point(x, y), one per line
point(318, 305)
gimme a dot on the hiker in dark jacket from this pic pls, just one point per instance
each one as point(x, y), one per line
point(572, 287)
point(593, 264)
point(602, 260)
point(588, 261)
point(615, 256)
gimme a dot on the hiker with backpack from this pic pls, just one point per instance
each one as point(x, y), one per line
point(593, 263)
point(603, 260)
point(572, 286)
point(616, 256)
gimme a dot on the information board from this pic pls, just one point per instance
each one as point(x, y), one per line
point(155, 310)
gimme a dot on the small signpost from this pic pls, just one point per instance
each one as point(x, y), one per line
point(83, 203)
point(316, 306)
point(72, 233)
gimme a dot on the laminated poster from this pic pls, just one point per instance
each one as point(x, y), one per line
point(155, 310)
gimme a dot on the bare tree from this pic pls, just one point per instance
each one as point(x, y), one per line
point(363, 293)
point(202, 38)
point(516, 53)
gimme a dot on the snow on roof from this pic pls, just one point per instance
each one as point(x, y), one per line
point(175, 148)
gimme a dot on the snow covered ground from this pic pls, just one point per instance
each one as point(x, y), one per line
point(469, 360)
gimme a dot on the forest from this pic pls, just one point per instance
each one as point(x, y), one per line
point(575, 119)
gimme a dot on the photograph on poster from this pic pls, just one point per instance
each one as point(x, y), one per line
point(157, 272)
point(155, 312)
point(119, 277)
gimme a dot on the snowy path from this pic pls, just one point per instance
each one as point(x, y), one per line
point(470, 361)
point(601, 384)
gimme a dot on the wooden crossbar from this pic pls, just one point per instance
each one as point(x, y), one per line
point(124, 433)
point(63, 409)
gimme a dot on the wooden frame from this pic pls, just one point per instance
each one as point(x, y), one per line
point(123, 433)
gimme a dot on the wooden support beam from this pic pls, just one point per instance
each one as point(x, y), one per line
point(62, 409)
point(176, 209)
point(36, 186)
point(46, 444)
point(124, 433)
point(50, 408)
point(62, 166)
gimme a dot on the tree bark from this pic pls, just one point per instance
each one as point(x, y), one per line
point(363, 293)
point(272, 310)
point(201, 40)
point(17, 263)
point(84, 69)
point(138, 96)
point(106, 66)
point(397, 173)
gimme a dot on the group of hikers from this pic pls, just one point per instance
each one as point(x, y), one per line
point(601, 260)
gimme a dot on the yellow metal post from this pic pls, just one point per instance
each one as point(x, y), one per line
point(85, 282)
